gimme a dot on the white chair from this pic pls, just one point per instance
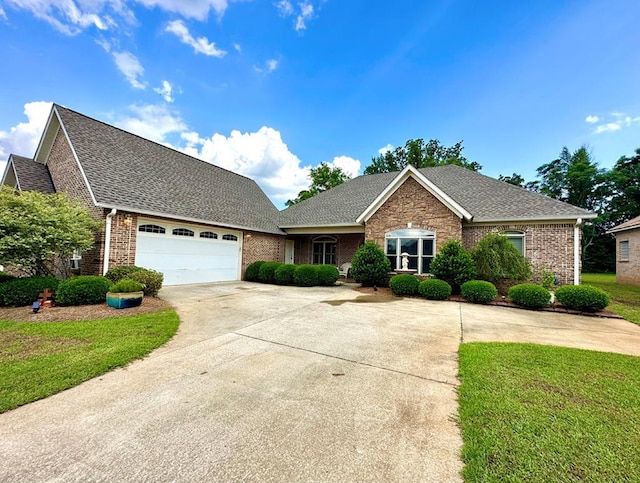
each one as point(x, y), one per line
point(343, 269)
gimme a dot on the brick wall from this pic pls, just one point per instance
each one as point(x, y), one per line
point(411, 203)
point(261, 246)
point(124, 230)
point(346, 246)
point(628, 272)
point(546, 245)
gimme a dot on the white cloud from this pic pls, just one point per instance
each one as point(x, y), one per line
point(347, 164)
point(385, 149)
point(303, 9)
point(166, 91)
point(306, 12)
point(130, 66)
point(621, 121)
point(200, 45)
point(3, 14)
point(269, 66)
point(152, 121)
point(197, 9)
point(23, 138)
point(237, 47)
point(609, 127)
point(284, 8)
point(592, 119)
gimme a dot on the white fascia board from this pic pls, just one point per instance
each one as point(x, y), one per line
point(336, 229)
point(405, 174)
point(537, 219)
point(620, 230)
point(40, 150)
point(9, 166)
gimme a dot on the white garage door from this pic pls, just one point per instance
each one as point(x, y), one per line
point(187, 253)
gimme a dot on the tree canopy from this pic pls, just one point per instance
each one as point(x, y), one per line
point(37, 228)
point(420, 154)
point(322, 178)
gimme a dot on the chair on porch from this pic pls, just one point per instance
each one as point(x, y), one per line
point(343, 269)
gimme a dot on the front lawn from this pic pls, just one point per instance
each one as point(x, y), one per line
point(625, 299)
point(542, 413)
point(38, 359)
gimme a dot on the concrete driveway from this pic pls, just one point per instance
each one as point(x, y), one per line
point(283, 384)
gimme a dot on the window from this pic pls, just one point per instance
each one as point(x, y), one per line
point(516, 238)
point(151, 228)
point(624, 251)
point(209, 234)
point(324, 251)
point(229, 237)
point(419, 245)
point(182, 232)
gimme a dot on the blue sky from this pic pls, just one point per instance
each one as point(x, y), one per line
point(271, 88)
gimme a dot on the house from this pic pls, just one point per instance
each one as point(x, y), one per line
point(196, 222)
point(627, 251)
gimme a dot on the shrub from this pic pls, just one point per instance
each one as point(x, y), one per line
point(267, 271)
point(126, 285)
point(434, 289)
point(327, 275)
point(583, 297)
point(453, 264)
point(404, 284)
point(370, 266)
point(496, 259)
point(6, 277)
point(530, 295)
point(305, 276)
point(478, 291)
point(25, 291)
point(251, 273)
point(118, 273)
point(83, 290)
point(284, 274)
point(150, 280)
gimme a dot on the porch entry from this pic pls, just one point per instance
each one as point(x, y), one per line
point(324, 251)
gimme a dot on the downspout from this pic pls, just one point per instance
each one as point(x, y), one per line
point(107, 241)
point(576, 252)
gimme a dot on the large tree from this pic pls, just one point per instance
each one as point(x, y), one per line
point(37, 229)
point(623, 183)
point(420, 154)
point(322, 178)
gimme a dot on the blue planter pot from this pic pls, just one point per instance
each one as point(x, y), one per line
point(124, 300)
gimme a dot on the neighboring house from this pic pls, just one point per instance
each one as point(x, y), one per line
point(196, 222)
point(628, 251)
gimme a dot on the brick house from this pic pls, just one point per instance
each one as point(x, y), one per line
point(628, 251)
point(196, 222)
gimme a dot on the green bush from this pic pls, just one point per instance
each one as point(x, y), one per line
point(370, 266)
point(150, 280)
point(5, 277)
point(25, 291)
point(327, 275)
point(496, 259)
point(434, 289)
point(478, 291)
point(284, 274)
point(404, 284)
point(305, 276)
point(118, 273)
point(453, 264)
point(126, 285)
point(530, 295)
point(267, 271)
point(251, 273)
point(83, 290)
point(583, 297)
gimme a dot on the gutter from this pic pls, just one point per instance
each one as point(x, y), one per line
point(576, 252)
point(107, 241)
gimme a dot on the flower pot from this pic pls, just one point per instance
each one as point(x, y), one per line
point(119, 300)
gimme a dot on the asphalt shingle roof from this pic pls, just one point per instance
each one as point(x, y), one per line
point(32, 176)
point(627, 225)
point(127, 171)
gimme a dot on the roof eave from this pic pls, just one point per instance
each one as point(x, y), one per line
point(568, 217)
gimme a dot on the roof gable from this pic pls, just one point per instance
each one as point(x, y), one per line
point(632, 224)
point(26, 174)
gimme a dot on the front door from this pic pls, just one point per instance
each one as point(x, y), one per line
point(289, 253)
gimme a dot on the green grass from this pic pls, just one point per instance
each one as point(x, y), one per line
point(625, 299)
point(41, 359)
point(539, 413)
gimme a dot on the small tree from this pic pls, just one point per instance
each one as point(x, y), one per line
point(36, 229)
point(370, 266)
point(497, 260)
point(454, 265)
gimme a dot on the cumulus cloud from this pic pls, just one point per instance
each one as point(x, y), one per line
point(592, 119)
point(347, 164)
point(130, 66)
point(152, 121)
point(200, 45)
point(385, 149)
point(620, 121)
point(23, 138)
point(166, 91)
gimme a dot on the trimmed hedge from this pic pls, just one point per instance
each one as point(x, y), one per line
point(251, 273)
point(583, 297)
point(327, 275)
point(530, 295)
point(404, 284)
point(479, 291)
point(370, 266)
point(6, 277)
point(284, 274)
point(150, 279)
point(83, 290)
point(434, 289)
point(126, 285)
point(305, 275)
point(267, 270)
point(25, 291)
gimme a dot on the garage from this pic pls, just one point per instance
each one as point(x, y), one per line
point(187, 253)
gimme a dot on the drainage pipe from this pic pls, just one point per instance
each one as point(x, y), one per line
point(107, 241)
point(576, 252)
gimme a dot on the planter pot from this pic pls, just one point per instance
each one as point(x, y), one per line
point(124, 300)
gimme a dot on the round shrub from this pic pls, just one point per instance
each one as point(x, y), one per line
point(267, 272)
point(305, 276)
point(583, 297)
point(118, 273)
point(479, 291)
point(530, 295)
point(453, 264)
point(6, 277)
point(150, 280)
point(83, 290)
point(251, 273)
point(370, 266)
point(434, 289)
point(404, 284)
point(284, 274)
point(25, 291)
point(126, 285)
point(327, 275)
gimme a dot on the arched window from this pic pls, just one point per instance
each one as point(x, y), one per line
point(151, 229)
point(209, 234)
point(419, 245)
point(516, 238)
point(324, 250)
point(229, 237)
point(182, 232)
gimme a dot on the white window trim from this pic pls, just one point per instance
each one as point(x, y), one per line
point(324, 240)
point(624, 254)
point(410, 234)
point(516, 234)
point(196, 229)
